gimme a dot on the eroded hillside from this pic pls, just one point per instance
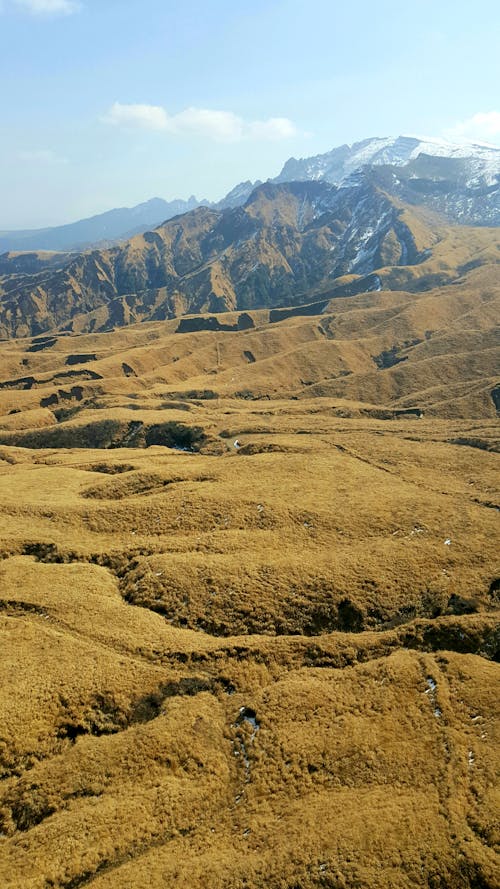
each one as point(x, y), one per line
point(379, 354)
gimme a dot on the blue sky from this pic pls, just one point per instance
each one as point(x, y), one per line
point(107, 103)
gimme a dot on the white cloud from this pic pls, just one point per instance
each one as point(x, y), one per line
point(481, 127)
point(273, 129)
point(146, 117)
point(221, 126)
point(43, 156)
point(49, 7)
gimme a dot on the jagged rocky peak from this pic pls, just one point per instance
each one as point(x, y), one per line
point(238, 195)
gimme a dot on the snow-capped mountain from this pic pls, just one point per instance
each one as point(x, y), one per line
point(459, 182)
point(338, 164)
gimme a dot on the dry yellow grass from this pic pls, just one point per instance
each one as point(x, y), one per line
point(266, 666)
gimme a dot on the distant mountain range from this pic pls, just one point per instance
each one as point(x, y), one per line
point(474, 171)
point(105, 227)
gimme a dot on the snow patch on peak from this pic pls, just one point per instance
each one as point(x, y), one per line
point(340, 163)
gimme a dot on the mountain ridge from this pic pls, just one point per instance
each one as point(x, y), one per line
point(288, 242)
point(336, 166)
point(287, 239)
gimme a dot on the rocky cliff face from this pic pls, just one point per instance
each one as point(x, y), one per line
point(464, 191)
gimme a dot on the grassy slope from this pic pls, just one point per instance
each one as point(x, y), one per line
point(148, 594)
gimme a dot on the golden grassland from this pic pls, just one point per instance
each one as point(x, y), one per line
point(272, 665)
